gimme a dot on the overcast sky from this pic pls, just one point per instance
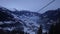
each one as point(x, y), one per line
point(32, 5)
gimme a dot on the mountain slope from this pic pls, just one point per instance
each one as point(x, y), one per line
point(50, 17)
point(27, 21)
point(30, 19)
point(8, 23)
point(10, 19)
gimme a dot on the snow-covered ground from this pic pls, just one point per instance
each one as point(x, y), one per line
point(30, 23)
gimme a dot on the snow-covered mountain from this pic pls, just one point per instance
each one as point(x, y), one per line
point(51, 17)
point(8, 23)
point(27, 21)
point(31, 20)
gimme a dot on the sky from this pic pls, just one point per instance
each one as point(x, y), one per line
point(31, 5)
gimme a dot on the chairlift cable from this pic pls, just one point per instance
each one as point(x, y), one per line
point(45, 6)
